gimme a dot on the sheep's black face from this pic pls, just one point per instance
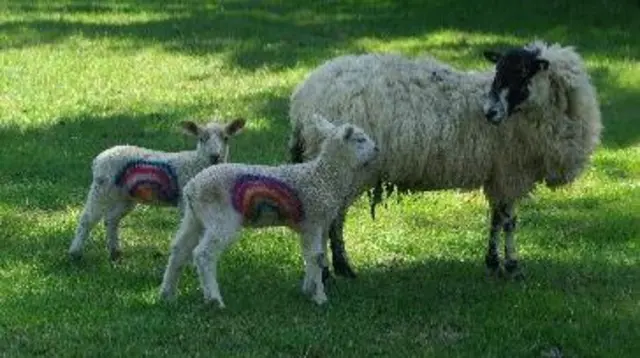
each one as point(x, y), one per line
point(510, 87)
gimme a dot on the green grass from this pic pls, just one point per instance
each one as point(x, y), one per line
point(79, 76)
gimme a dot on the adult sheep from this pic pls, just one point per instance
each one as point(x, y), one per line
point(534, 118)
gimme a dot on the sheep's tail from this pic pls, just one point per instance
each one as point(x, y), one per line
point(296, 146)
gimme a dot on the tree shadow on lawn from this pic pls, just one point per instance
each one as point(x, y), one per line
point(597, 223)
point(49, 167)
point(409, 303)
point(282, 34)
point(619, 110)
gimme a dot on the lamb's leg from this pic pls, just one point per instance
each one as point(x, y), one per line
point(326, 275)
point(510, 252)
point(91, 213)
point(492, 259)
point(112, 222)
point(183, 244)
point(314, 261)
point(341, 264)
point(218, 235)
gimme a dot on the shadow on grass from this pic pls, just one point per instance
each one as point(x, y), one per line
point(598, 223)
point(444, 305)
point(279, 33)
point(49, 167)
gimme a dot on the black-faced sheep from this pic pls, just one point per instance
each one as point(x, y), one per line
point(126, 175)
point(304, 197)
point(535, 118)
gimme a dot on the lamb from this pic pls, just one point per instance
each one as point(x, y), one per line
point(305, 197)
point(534, 119)
point(125, 175)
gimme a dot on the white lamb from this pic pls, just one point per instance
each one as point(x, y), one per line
point(536, 118)
point(126, 175)
point(305, 197)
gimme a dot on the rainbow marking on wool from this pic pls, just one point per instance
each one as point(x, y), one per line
point(149, 181)
point(254, 196)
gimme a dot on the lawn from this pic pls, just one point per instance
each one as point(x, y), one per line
point(80, 76)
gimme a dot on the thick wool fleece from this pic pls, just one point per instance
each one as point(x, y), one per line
point(320, 184)
point(306, 197)
point(427, 119)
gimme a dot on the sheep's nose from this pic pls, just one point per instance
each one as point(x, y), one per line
point(490, 114)
point(214, 158)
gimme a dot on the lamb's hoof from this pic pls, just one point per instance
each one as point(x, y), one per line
point(212, 301)
point(167, 295)
point(75, 256)
point(115, 255)
point(320, 298)
point(342, 268)
point(513, 270)
point(308, 286)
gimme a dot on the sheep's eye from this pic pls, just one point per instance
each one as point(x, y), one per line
point(225, 138)
point(361, 140)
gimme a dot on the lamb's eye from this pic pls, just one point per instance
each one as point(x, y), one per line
point(361, 140)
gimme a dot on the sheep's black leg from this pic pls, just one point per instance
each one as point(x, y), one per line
point(340, 260)
point(492, 259)
point(510, 253)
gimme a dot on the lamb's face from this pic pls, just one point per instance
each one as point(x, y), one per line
point(511, 85)
point(213, 139)
point(359, 143)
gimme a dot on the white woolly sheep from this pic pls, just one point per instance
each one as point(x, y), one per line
point(304, 197)
point(535, 118)
point(126, 175)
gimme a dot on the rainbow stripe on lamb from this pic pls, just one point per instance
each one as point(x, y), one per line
point(257, 196)
point(149, 181)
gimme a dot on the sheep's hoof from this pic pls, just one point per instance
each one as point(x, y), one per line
point(326, 276)
point(116, 255)
point(492, 264)
point(342, 268)
point(513, 271)
point(495, 273)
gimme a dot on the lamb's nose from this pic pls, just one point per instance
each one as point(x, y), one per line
point(214, 158)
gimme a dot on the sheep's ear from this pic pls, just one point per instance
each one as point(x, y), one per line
point(492, 56)
point(190, 128)
point(235, 126)
point(540, 64)
point(348, 132)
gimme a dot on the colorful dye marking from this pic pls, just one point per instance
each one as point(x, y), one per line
point(149, 181)
point(258, 197)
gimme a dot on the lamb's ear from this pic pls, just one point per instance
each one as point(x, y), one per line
point(235, 126)
point(492, 56)
point(190, 128)
point(348, 132)
point(540, 64)
point(323, 124)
